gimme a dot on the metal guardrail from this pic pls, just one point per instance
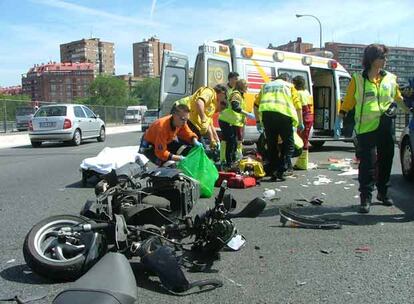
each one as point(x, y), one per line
point(8, 107)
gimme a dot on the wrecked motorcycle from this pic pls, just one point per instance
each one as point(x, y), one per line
point(149, 222)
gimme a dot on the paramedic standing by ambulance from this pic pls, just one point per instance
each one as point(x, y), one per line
point(373, 94)
point(232, 121)
point(277, 108)
point(306, 102)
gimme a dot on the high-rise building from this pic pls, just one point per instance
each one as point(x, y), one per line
point(293, 46)
point(58, 82)
point(100, 53)
point(400, 60)
point(147, 56)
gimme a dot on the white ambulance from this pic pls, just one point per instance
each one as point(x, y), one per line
point(325, 79)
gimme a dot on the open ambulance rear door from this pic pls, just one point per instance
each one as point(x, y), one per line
point(174, 80)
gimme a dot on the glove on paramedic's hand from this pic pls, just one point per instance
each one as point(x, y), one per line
point(259, 127)
point(197, 143)
point(338, 126)
point(250, 116)
point(301, 127)
point(392, 110)
point(213, 145)
point(181, 157)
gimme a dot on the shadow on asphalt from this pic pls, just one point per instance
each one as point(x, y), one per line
point(23, 274)
point(401, 191)
point(55, 145)
point(333, 148)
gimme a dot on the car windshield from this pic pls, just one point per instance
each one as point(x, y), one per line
point(151, 113)
point(51, 111)
point(24, 111)
point(132, 112)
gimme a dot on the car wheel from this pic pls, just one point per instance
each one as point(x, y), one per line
point(36, 144)
point(407, 159)
point(77, 138)
point(102, 135)
point(317, 144)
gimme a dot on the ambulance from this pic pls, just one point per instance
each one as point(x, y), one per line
point(325, 79)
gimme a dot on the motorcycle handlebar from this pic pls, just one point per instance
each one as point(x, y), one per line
point(88, 227)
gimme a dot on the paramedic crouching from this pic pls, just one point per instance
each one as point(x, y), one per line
point(169, 137)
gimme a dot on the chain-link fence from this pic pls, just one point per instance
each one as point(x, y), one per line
point(15, 114)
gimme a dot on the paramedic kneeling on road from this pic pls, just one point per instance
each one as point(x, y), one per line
point(372, 93)
point(169, 137)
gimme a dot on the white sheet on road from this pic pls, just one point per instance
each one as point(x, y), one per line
point(113, 158)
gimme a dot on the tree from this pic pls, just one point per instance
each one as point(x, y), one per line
point(147, 92)
point(108, 90)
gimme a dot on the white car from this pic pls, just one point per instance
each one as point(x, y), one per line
point(65, 122)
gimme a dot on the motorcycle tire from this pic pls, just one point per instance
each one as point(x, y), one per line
point(52, 259)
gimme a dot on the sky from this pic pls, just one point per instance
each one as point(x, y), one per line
point(32, 30)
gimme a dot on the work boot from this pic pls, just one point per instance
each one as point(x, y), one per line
point(279, 176)
point(385, 199)
point(365, 205)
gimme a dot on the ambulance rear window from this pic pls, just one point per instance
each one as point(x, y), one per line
point(294, 73)
point(217, 72)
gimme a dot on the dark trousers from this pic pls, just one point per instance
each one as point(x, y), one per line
point(375, 151)
point(229, 134)
point(275, 125)
point(178, 147)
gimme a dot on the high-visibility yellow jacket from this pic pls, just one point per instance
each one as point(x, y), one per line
point(279, 96)
point(208, 96)
point(231, 116)
point(371, 99)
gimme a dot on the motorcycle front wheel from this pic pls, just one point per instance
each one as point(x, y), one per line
point(54, 254)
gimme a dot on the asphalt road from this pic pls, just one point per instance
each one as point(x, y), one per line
point(369, 260)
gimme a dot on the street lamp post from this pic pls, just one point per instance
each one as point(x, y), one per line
point(320, 27)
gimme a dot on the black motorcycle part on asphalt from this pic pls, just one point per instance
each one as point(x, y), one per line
point(289, 217)
point(59, 270)
point(161, 260)
point(110, 281)
point(180, 190)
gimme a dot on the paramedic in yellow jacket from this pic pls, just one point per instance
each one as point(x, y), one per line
point(232, 121)
point(278, 108)
point(306, 103)
point(373, 93)
point(203, 104)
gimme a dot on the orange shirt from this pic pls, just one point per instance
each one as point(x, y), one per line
point(161, 132)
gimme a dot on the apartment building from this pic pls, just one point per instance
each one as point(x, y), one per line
point(58, 82)
point(147, 57)
point(100, 53)
point(293, 46)
point(400, 60)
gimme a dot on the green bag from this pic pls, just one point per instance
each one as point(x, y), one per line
point(198, 166)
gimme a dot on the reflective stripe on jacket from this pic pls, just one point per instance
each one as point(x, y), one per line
point(372, 101)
